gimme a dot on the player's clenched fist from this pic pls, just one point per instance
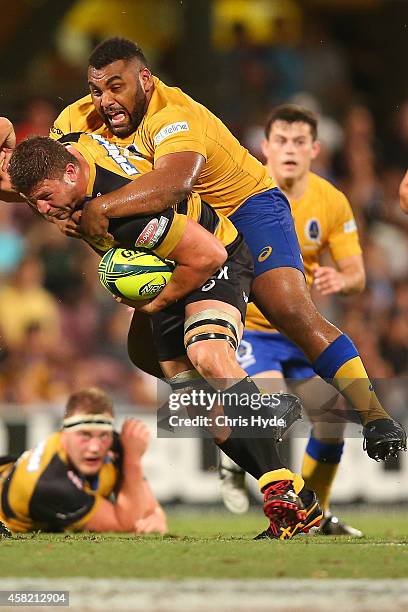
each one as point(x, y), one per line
point(135, 438)
point(154, 523)
point(328, 280)
point(7, 135)
point(7, 144)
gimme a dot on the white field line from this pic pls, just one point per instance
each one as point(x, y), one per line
point(87, 594)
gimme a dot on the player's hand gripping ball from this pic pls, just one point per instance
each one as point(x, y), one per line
point(135, 275)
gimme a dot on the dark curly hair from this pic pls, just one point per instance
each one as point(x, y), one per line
point(36, 159)
point(114, 49)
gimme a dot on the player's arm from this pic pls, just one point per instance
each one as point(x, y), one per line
point(348, 275)
point(134, 500)
point(403, 193)
point(7, 144)
point(171, 181)
point(154, 520)
point(197, 254)
point(347, 278)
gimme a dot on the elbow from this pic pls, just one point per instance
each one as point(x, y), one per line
point(359, 284)
point(182, 190)
point(210, 262)
point(362, 285)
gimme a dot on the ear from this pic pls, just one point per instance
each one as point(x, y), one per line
point(71, 173)
point(316, 147)
point(146, 79)
point(265, 147)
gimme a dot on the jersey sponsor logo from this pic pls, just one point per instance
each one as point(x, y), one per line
point(75, 479)
point(115, 153)
point(35, 459)
point(350, 226)
point(264, 254)
point(152, 233)
point(147, 232)
point(56, 131)
point(313, 230)
point(170, 130)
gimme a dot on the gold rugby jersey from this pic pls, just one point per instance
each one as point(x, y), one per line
point(111, 167)
point(323, 219)
point(175, 122)
point(43, 491)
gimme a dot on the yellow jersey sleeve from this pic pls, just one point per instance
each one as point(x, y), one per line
point(62, 125)
point(343, 235)
point(173, 236)
point(174, 129)
point(80, 116)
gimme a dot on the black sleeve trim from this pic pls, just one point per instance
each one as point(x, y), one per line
point(73, 137)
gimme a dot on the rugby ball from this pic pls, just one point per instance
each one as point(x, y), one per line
point(135, 275)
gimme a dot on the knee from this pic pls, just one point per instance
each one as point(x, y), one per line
point(211, 361)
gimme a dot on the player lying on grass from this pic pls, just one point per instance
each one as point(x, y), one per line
point(65, 482)
point(324, 221)
point(190, 149)
point(199, 332)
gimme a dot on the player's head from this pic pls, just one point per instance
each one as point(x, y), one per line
point(290, 143)
point(120, 83)
point(87, 430)
point(48, 175)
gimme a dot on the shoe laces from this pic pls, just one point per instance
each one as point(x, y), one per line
point(277, 488)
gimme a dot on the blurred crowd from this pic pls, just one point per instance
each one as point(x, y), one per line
point(61, 331)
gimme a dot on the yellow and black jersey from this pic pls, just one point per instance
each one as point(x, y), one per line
point(111, 167)
point(43, 491)
point(323, 220)
point(175, 122)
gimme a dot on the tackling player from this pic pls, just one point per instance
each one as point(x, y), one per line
point(324, 221)
point(66, 481)
point(189, 148)
point(203, 328)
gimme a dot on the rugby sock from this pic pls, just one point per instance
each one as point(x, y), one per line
point(254, 455)
point(341, 365)
point(320, 464)
point(283, 474)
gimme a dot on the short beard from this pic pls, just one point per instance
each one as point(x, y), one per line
point(135, 117)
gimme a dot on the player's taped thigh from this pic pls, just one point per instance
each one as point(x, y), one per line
point(211, 324)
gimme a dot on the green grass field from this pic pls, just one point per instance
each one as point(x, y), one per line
point(211, 544)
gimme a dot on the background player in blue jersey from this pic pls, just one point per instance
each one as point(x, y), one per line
point(324, 222)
